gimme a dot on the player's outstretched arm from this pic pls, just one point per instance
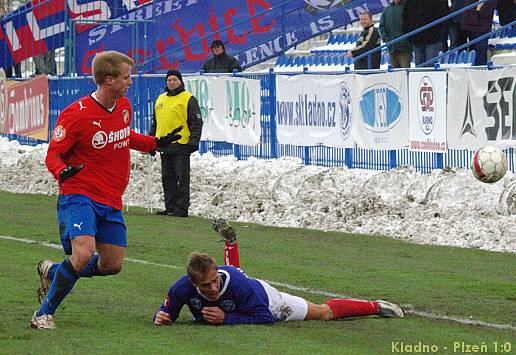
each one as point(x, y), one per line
point(169, 138)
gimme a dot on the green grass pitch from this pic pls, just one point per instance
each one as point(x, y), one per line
point(112, 315)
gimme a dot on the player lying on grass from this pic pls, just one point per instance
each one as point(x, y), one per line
point(226, 295)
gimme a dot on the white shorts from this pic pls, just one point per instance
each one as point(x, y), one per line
point(284, 306)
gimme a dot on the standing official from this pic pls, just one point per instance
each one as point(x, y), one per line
point(177, 109)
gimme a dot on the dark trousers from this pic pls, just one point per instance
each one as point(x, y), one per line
point(457, 35)
point(175, 176)
point(480, 47)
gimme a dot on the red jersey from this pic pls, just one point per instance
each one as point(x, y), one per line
point(86, 133)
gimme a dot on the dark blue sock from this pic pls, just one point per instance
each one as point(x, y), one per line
point(91, 269)
point(52, 270)
point(63, 282)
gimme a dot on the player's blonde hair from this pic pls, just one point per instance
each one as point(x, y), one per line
point(108, 63)
point(199, 264)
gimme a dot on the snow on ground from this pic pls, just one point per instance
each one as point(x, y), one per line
point(447, 207)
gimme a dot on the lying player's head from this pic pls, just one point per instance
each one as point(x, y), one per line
point(109, 64)
point(203, 274)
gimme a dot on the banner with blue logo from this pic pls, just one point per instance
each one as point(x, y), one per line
point(177, 34)
point(381, 119)
point(314, 110)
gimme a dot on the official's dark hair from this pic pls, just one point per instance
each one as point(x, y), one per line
point(175, 73)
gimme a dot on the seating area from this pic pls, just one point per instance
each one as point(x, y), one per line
point(504, 40)
point(456, 59)
point(338, 43)
point(327, 62)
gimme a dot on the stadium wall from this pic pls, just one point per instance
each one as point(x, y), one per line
point(146, 88)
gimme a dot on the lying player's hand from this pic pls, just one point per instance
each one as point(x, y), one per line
point(162, 318)
point(213, 315)
point(169, 138)
point(69, 171)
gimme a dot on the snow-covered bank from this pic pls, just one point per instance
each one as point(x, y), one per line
point(446, 207)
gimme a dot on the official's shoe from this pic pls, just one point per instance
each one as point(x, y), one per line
point(165, 213)
point(44, 280)
point(44, 321)
point(222, 227)
point(388, 309)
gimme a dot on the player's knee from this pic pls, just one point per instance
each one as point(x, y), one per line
point(325, 312)
point(81, 258)
point(111, 269)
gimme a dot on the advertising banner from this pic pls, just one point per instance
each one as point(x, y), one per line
point(230, 108)
point(180, 36)
point(427, 111)
point(24, 107)
point(314, 110)
point(381, 119)
point(481, 107)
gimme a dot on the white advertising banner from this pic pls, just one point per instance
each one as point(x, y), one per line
point(230, 108)
point(380, 119)
point(427, 111)
point(481, 107)
point(314, 110)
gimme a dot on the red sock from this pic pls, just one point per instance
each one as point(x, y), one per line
point(231, 256)
point(352, 308)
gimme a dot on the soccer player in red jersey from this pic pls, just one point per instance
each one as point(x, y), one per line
point(226, 295)
point(89, 157)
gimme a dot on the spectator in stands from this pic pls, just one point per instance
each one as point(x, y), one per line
point(391, 27)
point(416, 14)
point(45, 63)
point(457, 35)
point(221, 61)
point(176, 108)
point(476, 22)
point(506, 11)
point(369, 38)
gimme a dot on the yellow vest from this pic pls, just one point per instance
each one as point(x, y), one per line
point(172, 112)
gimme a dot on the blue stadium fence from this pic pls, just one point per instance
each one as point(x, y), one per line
point(145, 89)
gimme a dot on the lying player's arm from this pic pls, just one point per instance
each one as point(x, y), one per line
point(169, 309)
point(162, 318)
point(260, 315)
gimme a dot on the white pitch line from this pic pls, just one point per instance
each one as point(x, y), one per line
point(407, 308)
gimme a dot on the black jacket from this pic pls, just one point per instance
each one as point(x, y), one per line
point(369, 39)
point(194, 122)
point(222, 63)
point(417, 13)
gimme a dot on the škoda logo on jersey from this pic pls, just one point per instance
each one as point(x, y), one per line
point(101, 138)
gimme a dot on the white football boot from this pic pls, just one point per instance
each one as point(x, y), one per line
point(388, 309)
point(44, 281)
point(45, 321)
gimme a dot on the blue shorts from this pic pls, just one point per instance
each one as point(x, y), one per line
point(80, 215)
